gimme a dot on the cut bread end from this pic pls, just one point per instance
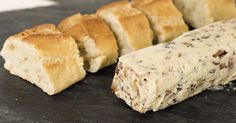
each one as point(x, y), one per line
point(24, 61)
point(51, 74)
point(94, 59)
point(120, 33)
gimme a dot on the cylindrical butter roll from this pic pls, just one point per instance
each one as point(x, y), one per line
point(159, 76)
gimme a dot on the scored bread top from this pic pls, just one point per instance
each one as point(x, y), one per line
point(133, 22)
point(94, 27)
point(53, 45)
point(48, 40)
point(42, 29)
point(164, 16)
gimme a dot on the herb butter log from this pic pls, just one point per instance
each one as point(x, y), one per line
point(159, 76)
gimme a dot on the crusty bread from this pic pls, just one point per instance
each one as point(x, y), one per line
point(129, 25)
point(199, 13)
point(94, 38)
point(167, 22)
point(165, 74)
point(69, 22)
point(44, 57)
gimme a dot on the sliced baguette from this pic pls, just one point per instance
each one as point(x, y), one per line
point(94, 38)
point(129, 25)
point(199, 13)
point(44, 57)
point(167, 22)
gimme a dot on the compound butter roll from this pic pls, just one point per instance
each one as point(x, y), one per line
point(159, 76)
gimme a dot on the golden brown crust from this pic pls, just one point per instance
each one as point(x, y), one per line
point(138, 3)
point(133, 22)
point(42, 29)
point(56, 52)
point(199, 13)
point(222, 9)
point(53, 45)
point(69, 22)
point(164, 15)
point(48, 40)
point(95, 28)
point(161, 8)
point(102, 35)
point(63, 74)
point(60, 57)
point(77, 32)
point(113, 5)
point(138, 28)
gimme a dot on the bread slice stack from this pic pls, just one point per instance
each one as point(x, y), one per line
point(45, 57)
point(166, 21)
point(94, 38)
point(199, 13)
point(129, 25)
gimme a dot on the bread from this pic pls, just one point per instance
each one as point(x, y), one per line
point(69, 22)
point(199, 13)
point(175, 71)
point(129, 25)
point(94, 38)
point(167, 22)
point(44, 57)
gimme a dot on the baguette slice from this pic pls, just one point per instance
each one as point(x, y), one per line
point(94, 38)
point(157, 77)
point(69, 22)
point(167, 22)
point(44, 57)
point(129, 25)
point(199, 13)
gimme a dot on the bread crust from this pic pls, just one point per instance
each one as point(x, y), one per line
point(69, 22)
point(57, 54)
point(113, 5)
point(166, 20)
point(94, 27)
point(222, 9)
point(133, 22)
point(104, 38)
point(42, 29)
point(138, 28)
point(198, 13)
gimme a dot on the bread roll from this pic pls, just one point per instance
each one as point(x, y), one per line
point(167, 22)
point(199, 13)
point(44, 57)
point(94, 38)
point(130, 26)
point(157, 77)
